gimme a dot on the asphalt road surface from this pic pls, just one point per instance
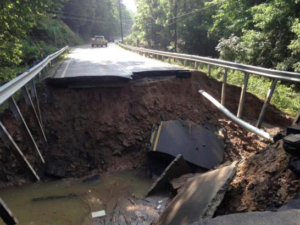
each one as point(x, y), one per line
point(111, 62)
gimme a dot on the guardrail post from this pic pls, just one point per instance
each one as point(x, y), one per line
point(35, 115)
point(11, 144)
point(209, 70)
point(242, 98)
point(35, 98)
point(7, 215)
point(44, 72)
point(23, 126)
point(196, 66)
point(169, 59)
point(38, 78)
point(224, 85)
point(267, 102)
point(184, 62)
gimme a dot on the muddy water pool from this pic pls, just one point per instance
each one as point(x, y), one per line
point(98, 195)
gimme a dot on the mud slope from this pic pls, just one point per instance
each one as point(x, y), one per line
point(263, 182)
point(107, 129)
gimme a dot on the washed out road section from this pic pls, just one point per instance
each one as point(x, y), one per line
point(111, 61)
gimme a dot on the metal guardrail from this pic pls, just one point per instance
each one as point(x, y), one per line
point(275, 75)
point(6, 95)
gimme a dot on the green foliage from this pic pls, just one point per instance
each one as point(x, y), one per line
point(32, 29)
point(8, 73)
point(17, 18)
point(96, 17)
point(174, 25)
point(270, 38)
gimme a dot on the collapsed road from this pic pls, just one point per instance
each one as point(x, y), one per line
point(107, 129)
point(87, 66)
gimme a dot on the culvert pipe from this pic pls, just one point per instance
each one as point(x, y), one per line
point(239, 121)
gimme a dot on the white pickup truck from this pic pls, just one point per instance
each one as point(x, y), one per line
point(99, 41)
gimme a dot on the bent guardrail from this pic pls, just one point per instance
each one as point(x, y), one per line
point(6, 95)
point(275, 75)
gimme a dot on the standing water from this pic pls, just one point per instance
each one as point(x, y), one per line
point(84, 198)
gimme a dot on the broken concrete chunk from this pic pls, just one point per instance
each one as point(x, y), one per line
point(6, 215)
point(100, 213)
point(178, 183)
point(293, 130)
point(175, 169)
point(294, 164)
point(199, 145)
point(292, 144)
point(290, 217)
point(199, 198)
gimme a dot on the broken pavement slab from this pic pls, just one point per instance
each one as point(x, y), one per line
point(199, 145)
point(199, 198)
point(293, 130)
point(178, 183)
point(175, 169)
point(289, 217)
point(292, 144)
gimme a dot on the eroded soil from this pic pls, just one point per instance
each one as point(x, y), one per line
point(108, 129)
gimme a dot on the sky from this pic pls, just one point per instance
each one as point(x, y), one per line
point(130, 4)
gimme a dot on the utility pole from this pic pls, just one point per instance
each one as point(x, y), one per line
point(121, 23)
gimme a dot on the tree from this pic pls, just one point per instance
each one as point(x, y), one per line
point(17, 18)
point(268, 39)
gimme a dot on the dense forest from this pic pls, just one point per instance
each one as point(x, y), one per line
point(32, 29)
point(256, 32)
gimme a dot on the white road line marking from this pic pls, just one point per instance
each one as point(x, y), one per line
point(64, 73)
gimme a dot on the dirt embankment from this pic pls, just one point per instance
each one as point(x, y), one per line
point(107, 129)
